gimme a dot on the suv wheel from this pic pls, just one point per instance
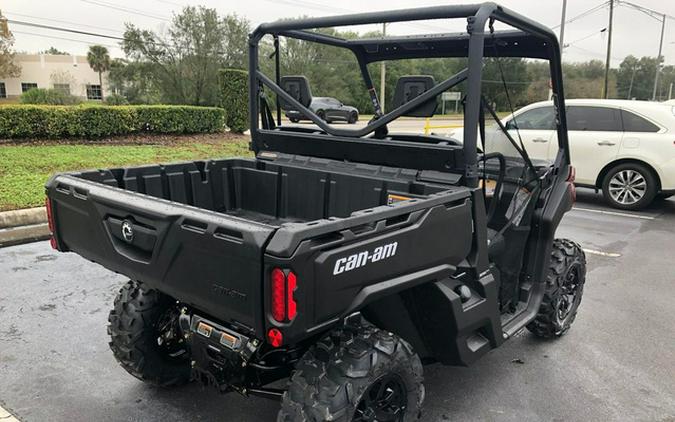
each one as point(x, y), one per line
point(629, 186)
point(353, 117)
point(357, 373)
point(145, 338)
point(564, 288)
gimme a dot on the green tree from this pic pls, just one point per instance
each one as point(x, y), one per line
point(55, 51)
point(7, 66)
point(635, 77)
point(184, 64)
point(99, 60)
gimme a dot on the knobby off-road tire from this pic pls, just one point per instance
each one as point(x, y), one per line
point(341, 376)
point(564, 288)
point(134, 330)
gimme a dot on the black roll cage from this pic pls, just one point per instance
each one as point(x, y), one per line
point(529, 40)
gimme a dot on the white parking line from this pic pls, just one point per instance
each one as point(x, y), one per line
point(620, 214)
point(5, 416)
point(601, 253)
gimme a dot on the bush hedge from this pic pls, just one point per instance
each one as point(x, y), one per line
point(234, 98)
point(94, 121)
point(48, 96)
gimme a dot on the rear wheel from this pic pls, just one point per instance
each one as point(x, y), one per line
point(294, 120)
point(564, 288)
point(355, 374)
point(321, 114)
point(629, 186)
point(145, 337)
point(353, 117)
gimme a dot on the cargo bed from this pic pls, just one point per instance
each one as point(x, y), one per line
point(199, 230)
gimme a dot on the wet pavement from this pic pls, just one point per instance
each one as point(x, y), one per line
point(617, 363)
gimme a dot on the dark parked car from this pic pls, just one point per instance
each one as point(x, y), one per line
point(328, 109)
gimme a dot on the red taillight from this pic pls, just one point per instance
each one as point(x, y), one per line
point(50, 216)
point(278, 295)
point(283, 305)
point(290, 300)
point(571, 177)
point(274, 337)
point(50, 223)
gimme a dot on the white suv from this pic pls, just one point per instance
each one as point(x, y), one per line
point(625, 148)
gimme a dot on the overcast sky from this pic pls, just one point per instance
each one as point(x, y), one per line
point(635, 32)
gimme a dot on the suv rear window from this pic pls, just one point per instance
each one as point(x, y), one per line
point(634, 123)
point(600, 119)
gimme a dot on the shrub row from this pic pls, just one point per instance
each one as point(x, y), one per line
point(92, 121)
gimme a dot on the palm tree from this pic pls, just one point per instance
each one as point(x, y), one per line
point(99, 60)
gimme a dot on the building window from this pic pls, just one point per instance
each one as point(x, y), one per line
point(26, 86)
point(94, 92)
point(3, 90)
point(63, 88)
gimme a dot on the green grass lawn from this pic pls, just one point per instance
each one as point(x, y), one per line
point(24, 169)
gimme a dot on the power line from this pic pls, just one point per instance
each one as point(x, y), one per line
point(570, 44)
point(647, 11)
point(125, 9)
point(66, 22)
point(55, 28)
point(64, 38)
point(584, 14)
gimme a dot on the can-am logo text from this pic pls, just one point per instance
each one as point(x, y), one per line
point(360, 259)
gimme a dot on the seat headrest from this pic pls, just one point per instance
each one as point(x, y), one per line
point(298, 88)
point(409, 87)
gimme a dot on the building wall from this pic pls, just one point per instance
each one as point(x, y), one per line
point(47, 70)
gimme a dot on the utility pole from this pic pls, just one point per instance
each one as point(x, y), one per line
point(658, 59)
point(632, 78)
point(670, 91)
point(562, 28)
point(609, 49)
point(383, 73)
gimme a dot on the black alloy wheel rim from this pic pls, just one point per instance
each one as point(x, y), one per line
point(384, 401)
point(569, 296)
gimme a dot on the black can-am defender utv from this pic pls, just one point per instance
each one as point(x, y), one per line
point(341, 258)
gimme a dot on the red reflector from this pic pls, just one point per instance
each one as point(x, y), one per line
point(274, 337)
point(278, 284)
point(50, 223)
point(50, 216)
point(571, 177)
point(290, 288)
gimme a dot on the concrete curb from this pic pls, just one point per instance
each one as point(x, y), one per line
point(23, 226)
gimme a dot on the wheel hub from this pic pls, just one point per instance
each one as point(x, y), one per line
point(627, 187)
point(570, 294)
point(384, 401)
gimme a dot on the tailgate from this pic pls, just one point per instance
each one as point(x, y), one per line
point(209, 260)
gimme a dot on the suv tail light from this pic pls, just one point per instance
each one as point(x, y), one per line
point(282, 285)
point(571, 177)
point(50, 223)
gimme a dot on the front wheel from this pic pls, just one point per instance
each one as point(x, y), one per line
point(564, 288)
point(353, 117)
point(145, 337)
point(629, 186)
point(356, 374)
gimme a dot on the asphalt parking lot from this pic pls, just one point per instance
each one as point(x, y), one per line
point(616, 364)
